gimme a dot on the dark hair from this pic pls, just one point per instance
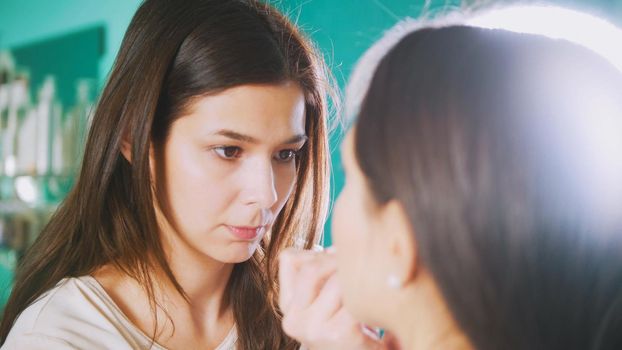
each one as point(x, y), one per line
point(484, 137)
point(172, 53)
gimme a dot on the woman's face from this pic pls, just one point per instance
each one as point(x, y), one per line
point(230, 166)
point(358, 239)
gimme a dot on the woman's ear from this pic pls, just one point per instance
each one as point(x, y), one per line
point(401, 244)
point(126, 150)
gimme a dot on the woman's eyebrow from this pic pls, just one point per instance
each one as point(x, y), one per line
point(296, 139)
point(250, 139)
point(235, 136)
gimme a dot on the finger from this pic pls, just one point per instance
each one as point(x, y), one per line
point(345, 321)
point(310, 324)
point(311, 279)
point(329, 300)
point(290, 262)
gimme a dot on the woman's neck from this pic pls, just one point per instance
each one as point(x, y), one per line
point(202, 316)
point(204, 281)
point(202, 278)
point(424, 321)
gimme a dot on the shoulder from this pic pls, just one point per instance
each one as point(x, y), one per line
point(37, 342)
point(76, 313)
point(58, 303)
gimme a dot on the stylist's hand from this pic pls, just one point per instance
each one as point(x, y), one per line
point(310, 299)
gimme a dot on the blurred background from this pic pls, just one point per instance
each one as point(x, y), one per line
point(55, 57)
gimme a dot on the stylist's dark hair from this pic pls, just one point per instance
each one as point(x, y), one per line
point(174, 52)
point(485, 137)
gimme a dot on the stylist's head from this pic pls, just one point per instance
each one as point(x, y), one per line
point(483, 200)
point(219, 106)
point(208, 146)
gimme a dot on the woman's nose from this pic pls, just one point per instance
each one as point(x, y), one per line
point(260, 188)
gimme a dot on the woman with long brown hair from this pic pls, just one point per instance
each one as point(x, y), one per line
point(207, 155)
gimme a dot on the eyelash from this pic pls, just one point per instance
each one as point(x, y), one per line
point(222, 150)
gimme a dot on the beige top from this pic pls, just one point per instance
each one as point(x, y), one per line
point(78, 314)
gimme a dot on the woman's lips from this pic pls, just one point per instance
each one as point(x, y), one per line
point(246, 233)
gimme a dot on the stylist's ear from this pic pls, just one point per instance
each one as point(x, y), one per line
point(401, 245)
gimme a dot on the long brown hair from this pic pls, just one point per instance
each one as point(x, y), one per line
point(174, 51)
point(486, 139)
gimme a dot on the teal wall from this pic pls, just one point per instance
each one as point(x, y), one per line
point(343, 28)
point(26, 21)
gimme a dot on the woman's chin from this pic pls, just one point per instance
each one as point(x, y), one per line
point(239, 252)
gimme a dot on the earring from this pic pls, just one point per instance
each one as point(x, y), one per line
point(394, 282)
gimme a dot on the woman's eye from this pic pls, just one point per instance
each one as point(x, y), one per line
point(286, 155)
point(228, 152)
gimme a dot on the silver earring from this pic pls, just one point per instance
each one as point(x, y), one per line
point(394, 282)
